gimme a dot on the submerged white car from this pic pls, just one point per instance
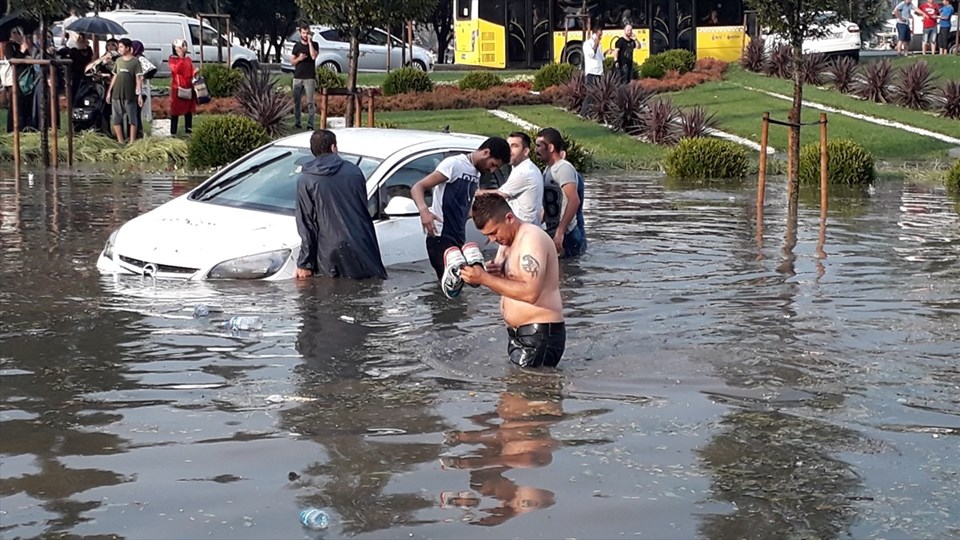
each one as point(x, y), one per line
point(239, 224)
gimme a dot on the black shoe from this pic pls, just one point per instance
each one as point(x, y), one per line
point(309, 128)
point(297, 126)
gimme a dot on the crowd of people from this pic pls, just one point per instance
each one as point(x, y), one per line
point(120, 78)
point(535, 217)
point(936, 15)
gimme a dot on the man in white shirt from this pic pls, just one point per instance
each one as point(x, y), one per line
point(523, 189)
point(592, 62)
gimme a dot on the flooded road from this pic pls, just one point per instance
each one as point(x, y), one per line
point(715, 384)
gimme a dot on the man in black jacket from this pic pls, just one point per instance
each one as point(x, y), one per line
point(336, 230)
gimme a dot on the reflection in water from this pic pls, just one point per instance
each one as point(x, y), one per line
point(515, 435)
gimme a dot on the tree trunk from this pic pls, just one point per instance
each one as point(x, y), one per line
point(793, 166)
point(443, 40)
point(352, 73)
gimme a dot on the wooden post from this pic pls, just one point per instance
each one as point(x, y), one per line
point(389, 47)
point(323, 108)
point(68, 89)
point(54, 116)
point(790, 158)
point(762, 177)
point(823, 165)
point(357, 109)
point(369, 108)
point(15, 110)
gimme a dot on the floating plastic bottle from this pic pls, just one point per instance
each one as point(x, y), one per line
point(315, 519)
point(244, 323)
point(202, 310)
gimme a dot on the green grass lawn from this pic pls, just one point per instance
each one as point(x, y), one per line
point(740, 111)
point(922, 119)
point(610, 149)
point(946, 67)
point(477, 121)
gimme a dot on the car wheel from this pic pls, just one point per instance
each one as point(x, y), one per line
point(419, 65)
point(331, 65)
point(573, 54)
point(243, 65)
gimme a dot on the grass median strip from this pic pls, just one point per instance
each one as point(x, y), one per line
point(477, 121)
point(740, 112)
point(610, 150)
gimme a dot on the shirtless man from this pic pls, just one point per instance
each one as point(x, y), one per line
point(526, 273)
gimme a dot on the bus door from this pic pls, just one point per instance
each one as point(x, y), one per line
point(528, 33)
point(672, 26)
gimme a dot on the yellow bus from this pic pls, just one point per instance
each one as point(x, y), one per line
point(531, 33)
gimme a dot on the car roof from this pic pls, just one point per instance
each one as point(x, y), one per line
point(381, 143)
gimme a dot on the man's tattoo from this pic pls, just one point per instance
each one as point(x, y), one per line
point(530, 265)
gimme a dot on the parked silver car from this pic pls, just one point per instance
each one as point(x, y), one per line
point(334, 53)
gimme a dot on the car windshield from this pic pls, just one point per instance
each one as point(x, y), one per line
point(268, 180)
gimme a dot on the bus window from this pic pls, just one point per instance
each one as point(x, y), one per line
point(492, 11)
point(715, 13)
point(617, 14)
point(573, 14)
point(463, 9)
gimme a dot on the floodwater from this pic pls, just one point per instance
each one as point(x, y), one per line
point(717, 383)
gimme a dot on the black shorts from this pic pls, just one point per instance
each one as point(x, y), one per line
point(944, 38)
point(537, 345)
point(436, 245)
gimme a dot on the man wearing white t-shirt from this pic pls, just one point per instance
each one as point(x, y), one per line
point(454, 182)
point(593, 61)
point(523, 189)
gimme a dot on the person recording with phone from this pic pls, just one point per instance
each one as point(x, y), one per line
point(304, 59)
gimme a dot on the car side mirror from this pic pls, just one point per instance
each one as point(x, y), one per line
point(401, 207)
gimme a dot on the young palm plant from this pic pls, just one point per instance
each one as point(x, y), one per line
point(754, 56)
point(841, 73)
point(696, 122)
point(949, 98)
point(628, 108)
point(260, 100)
point(812, 68)
point(659, 122)
point(873, 83)
point(915, 89)
point(780, 61)
point(600, 97)
point(572, 92)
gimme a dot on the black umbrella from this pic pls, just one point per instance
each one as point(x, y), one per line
point(97, 26)
point(13, 20)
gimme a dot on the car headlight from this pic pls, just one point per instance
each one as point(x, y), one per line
point(252, 266)
point(108, 249)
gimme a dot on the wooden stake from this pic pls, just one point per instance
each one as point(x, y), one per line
point(15, 110)
point(823, 165)
point(68, 89)
point(54, 116)
point(323, 108)
point(762, 178)
point(370, 108)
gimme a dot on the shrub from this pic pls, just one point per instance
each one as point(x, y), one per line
point(754, 56)
point(327, 78)
point(841, 72)
point(405, 80)
point(953, 178)
point(652, 68)
point(705, 158)
point(599, 98)
point(873, 83)
point(552, 75)
point(659, 122)
point(609, 64)
point(221, 139)
point(578, 156)
point(696, 122)
point(949, 100)
point(915, 88)
point(628, 107)
point(221, 80)
point(260, 100)
point(812, 68)
point(848, 163)
point(679, 60)
point(779, 62)
point(572, 92)
point(480, 80)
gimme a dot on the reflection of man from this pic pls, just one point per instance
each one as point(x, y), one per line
point(336, 230)
point(526, 273)
point(524, 187)
point(521, 439)
point(625, 47)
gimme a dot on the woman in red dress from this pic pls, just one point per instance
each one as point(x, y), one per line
point(181, 76)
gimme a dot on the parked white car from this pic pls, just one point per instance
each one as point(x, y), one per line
point(841, 39)
point(334, 51)
point(158, 29)
point(239, 224)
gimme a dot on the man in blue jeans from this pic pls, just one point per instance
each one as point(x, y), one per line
point(567, 229)
point(904, 14)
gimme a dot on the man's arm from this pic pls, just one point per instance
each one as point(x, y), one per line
point(530, 280)
point(418, 193)
point(110, 88)
point(313, 49)
point(307, 227)
point(573, 204)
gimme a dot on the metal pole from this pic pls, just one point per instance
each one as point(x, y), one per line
point(823, 165)
point(762, 177)
point(389, 47)
point(54, 116)
point(68, 88)
point(15, 110)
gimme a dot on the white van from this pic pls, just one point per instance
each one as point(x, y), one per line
point(158, 29)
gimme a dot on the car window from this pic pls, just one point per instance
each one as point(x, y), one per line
point(268, 180)
point(375, 37)
point(331, 35)
point(399, 182)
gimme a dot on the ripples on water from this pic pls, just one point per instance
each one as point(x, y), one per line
point(715, 384)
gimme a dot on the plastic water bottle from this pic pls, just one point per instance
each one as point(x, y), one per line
point(244, 323)
point(315, 519)
point(200, 311)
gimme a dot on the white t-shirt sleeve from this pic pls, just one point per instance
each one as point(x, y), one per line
point(447, 166)
point(563, 173)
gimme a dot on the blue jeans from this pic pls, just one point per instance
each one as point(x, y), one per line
point(574, 243)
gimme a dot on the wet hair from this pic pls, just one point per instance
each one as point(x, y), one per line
point(322, 142)
point(126, 42)
point(499, 149)
point(487, 206)
point(552, 136)
point(524, 138)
